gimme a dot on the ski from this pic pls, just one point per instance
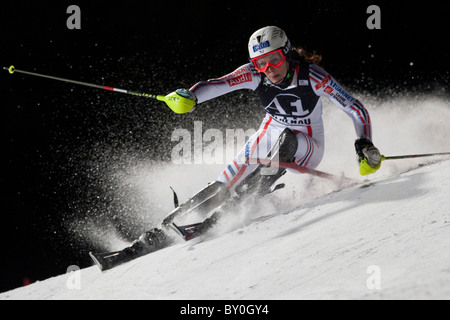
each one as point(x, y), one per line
point(109, 260)
point(150, 241)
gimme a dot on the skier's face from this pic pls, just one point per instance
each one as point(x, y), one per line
point(277, 75)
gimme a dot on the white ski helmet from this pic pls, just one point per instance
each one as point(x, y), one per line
point(268, 39)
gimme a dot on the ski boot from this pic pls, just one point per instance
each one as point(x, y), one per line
point(191, 231)
point(148, 242)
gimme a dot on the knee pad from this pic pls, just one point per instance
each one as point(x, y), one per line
point(285, 147)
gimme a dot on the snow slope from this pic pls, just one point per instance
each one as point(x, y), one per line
point(389, 239)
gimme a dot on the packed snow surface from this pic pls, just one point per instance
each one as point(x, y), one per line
point(386, 236)
point(384, 239)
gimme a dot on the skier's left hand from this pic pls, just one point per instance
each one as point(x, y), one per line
point(369, 156)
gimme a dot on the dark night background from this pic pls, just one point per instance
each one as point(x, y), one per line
point(58, 138)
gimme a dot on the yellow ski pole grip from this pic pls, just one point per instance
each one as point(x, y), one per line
point(177, 103)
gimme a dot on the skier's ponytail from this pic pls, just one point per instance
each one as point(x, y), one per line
point(310, 56)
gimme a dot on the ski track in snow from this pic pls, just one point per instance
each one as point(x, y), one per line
point(322, 249)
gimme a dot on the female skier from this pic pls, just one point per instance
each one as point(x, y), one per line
point(289, 84)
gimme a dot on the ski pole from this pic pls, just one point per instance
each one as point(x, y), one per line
point(176, 102)
point(416, 156)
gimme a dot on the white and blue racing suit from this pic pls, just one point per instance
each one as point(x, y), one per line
point(297, 107)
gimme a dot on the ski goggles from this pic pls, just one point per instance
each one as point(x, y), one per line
point(274, 59)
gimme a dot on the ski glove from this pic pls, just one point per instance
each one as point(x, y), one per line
point(369, 156)
point(181, 101)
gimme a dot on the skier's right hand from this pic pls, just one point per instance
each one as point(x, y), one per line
point(181, 101)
